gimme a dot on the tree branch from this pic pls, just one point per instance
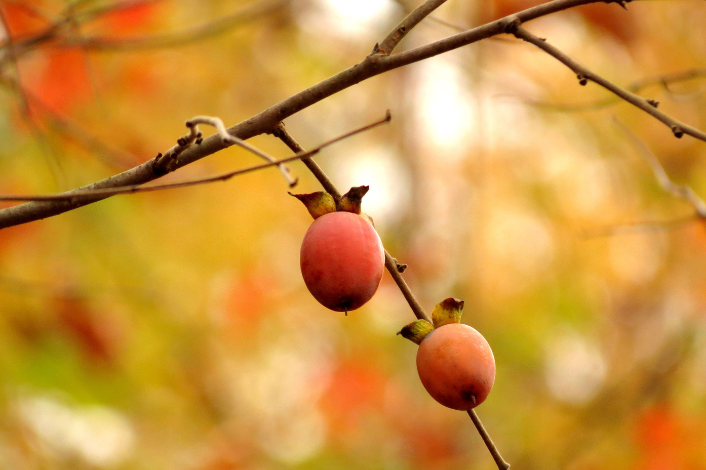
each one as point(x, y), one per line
point(660, 80)
point(88, 194)
point(584, 75)
point(410, 21)
point(500, 462)
point(268, 119)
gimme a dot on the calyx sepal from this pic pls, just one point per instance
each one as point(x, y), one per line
point(352, 200)
point(447, 311)
point(417, 330)
point(318, 203)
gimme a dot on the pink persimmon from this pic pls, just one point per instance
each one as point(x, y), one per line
point(456, 366)
point(342, 260)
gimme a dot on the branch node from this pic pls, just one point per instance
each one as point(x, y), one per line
point(512, 24)
point(400, 267)
point(653, 103)
point(677, 131)
point(583, 81)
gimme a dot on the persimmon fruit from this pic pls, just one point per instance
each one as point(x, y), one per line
point(456, 366)
point(342, 260)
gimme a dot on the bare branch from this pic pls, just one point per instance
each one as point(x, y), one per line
point(410, 21)
point(663, 81)
point(584, 75)
point(683, 192)
point(82, 196)
point(294, 146)
point(268, 119)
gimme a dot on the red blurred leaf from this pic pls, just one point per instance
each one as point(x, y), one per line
point(354, 387)
point(96, 336)
point(129, 20)
point(22, 19)
point(64, 81)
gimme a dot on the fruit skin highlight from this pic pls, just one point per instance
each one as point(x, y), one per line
point(456, 366)
point(342, 260)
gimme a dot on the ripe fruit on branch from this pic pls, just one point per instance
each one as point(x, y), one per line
point(454, 361)
point(341, 258)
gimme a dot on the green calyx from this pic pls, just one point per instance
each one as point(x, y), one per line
point(417, 330)
point(447, 311)
point(318, 203)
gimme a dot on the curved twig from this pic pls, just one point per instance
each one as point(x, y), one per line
point(585, 75)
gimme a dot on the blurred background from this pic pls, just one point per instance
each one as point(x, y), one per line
point(172, 330)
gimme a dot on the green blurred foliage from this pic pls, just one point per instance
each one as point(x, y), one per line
point(172, 330)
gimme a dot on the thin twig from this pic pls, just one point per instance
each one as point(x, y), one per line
point(372, 65)
point(232, 140)
point(88, 194)
point(395, 269)
point(390, 262)
point(683, 192)
point(410, 21)
point(501, 463)
point(281, 133)
point(661, 80)
point(584, 75)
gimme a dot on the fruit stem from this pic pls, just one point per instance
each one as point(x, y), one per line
point(502, 464)
point(281, 133)
point(390, 263)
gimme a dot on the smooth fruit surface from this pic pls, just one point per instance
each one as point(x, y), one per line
point(342, 260)
point(456, 366)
